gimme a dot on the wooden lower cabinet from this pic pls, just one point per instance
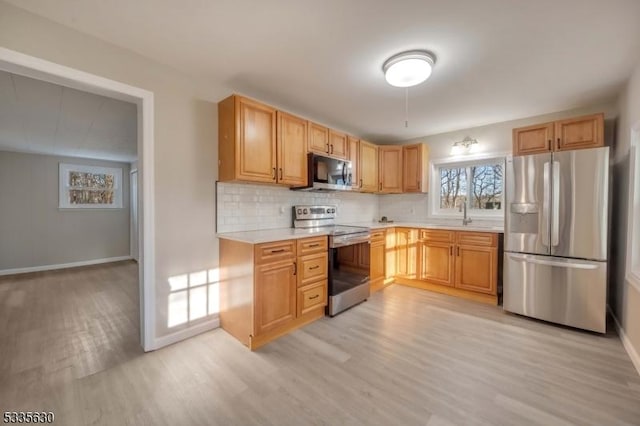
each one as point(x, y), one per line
point(268, 290)
point(406, 249)
point(376, 266)
point(275, 295)
point(476, 269)
point(436, 262)
point(460, 263)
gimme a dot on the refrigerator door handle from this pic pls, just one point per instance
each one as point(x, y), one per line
point(555, 205)
point(545, 206)
point(537, 261)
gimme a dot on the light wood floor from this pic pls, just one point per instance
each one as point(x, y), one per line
point(405, 357)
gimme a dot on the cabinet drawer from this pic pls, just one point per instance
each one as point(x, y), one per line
point(273, 252)
point(312, 245)
point(437, 235)
point(484, 239)
point(378, 235)
point(312, 267)
point(311, 297)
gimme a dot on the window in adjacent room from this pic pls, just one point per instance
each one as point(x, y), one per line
point(478, 184)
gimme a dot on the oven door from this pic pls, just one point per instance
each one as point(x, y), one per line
point(348, 276)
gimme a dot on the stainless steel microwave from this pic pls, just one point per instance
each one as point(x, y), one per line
point(327, 174)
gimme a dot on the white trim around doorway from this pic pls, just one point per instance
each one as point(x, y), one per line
point(30, 66)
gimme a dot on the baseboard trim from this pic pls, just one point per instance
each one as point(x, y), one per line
point(631, 351)
point(176, 337)
point(63, 265)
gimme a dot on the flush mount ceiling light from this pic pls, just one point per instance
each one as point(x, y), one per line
point(408, 69)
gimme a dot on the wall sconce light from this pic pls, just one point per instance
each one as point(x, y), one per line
point(464, 146)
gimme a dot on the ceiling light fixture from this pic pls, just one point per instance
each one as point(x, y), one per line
point(409, 68)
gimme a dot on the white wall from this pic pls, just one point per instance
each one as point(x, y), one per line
point(36, 233)
point(624, 297)
point(185, 147)
point(243, 207)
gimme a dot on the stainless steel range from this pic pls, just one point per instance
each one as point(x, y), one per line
point(348, 282)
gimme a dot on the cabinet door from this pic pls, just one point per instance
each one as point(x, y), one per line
point(390, 254)
point(580, 132)
point(406, 252)
point(338, 144)
point(376, 264)
point(476, 268)
point(275, 295)
point(533, 139)
point(318, 139)
point(390, 169)
point(354, 157)
point(256, 155)
point(369, 167)
point(436, 262)
point(415, 168)
point(291, 150)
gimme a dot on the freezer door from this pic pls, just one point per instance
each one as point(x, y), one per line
point(528, 192)
point(564, 291)
point(579, 210)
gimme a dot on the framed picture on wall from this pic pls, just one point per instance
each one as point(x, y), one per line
point(89, 187)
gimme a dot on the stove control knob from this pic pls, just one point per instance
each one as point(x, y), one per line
point(299, 211)
point(305, 211)
point(332, 210)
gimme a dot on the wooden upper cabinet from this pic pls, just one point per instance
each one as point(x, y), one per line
point(291, 150)
point(390, 169)
point(562, 135)
point(246, 140)
point(318, 139)
point(580, 132)
point(353, 152)
point(533, 139)
point(415, 168)
point(368, 167)
point(338, 145)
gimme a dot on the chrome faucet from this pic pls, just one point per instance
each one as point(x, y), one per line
point(465, 220)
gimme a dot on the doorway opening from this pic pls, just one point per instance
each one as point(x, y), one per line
point(27, 66)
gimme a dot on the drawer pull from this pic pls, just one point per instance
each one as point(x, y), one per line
point(314, 297)
point(314, 245)
point(277, 251)
point(314, 267)
point(295, 268)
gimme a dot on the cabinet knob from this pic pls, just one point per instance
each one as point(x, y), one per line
point(280, 173)
point(558, 145)
point(274, 173)
point(331, 148)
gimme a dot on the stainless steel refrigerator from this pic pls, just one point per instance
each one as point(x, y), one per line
point(556, 224)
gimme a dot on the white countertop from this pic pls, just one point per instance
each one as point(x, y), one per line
point(281, 234)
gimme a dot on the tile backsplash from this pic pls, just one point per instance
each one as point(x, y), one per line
point(243, 207)
point(404, 207)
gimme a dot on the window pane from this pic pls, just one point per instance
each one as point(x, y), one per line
point(453, 187)
point(486, 186)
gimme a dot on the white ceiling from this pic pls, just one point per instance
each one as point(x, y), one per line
point(45, 118)
point(497, 59)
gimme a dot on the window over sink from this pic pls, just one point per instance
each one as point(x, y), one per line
point(478, 184)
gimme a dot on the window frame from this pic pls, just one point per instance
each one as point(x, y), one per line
point(633, 242)
point(434, 186)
